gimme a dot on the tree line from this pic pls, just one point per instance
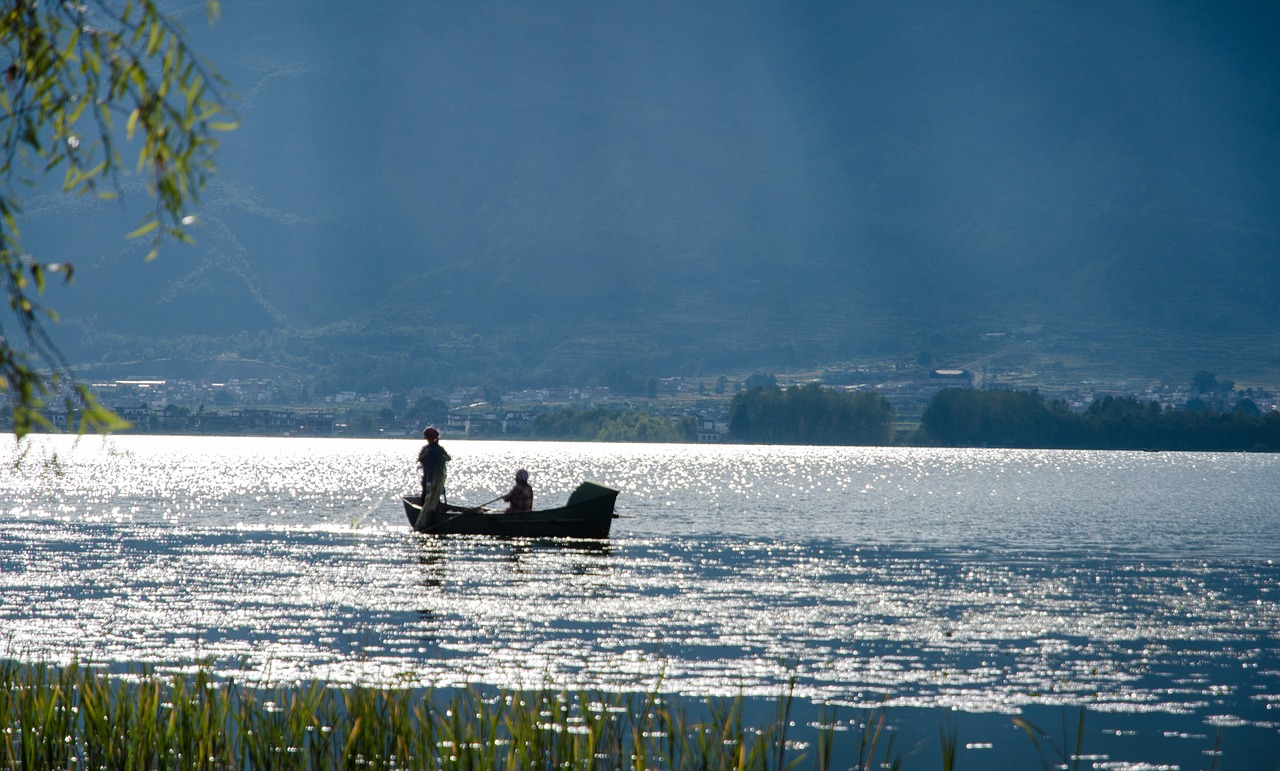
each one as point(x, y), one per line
point(1026, 419)
point(816, 415)
point(810, 414)
point(600, 424)
point(956, 417)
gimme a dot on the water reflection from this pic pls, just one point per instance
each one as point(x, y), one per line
point(431, 557)
point(985, 581)
point(527, 557)
point(534, 557)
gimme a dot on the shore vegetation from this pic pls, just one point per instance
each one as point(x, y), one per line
point(601, 424)
point(810, 414)
point(1026, 419)
point(79, 716)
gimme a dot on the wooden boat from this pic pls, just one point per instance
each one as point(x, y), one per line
point(587, 514)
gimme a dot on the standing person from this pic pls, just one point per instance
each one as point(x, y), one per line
point(432, 459)
point(521, 496)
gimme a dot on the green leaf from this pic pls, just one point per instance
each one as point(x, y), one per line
point(146, 228)
point(98, 169)
point(130, 60)
point(77, 110)
point(153, 42)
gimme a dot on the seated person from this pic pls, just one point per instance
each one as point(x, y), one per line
point(521, 496)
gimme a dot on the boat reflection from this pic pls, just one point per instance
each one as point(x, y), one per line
point(528, 557)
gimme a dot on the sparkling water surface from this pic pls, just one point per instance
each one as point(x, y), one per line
point(993, 582)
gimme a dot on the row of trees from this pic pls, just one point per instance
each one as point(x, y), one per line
point(810, 414)
point(968, 418)
point(611, 425)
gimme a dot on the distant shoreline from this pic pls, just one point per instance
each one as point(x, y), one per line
point(591, 440)
point(808, 415)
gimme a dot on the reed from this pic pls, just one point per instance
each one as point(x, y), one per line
point(1053, 753)
point(78, 716)
point(82, 717)
point(950, 737)
point(874, 730)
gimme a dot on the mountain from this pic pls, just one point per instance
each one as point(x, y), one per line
point(556, 190)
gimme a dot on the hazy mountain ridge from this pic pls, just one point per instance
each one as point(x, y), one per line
point(572, 186)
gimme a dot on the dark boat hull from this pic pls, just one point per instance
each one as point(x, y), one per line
point(588, 514)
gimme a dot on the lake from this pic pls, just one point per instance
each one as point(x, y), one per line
point(968, 586)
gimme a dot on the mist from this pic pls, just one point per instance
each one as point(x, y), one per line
point(660, 178)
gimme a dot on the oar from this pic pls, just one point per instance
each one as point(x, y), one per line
point(462, 513)
point(474, 509)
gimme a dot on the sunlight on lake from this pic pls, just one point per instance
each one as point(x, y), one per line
point(984, 580)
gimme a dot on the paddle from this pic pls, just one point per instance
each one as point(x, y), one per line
point(474, 509)
point(462, 513)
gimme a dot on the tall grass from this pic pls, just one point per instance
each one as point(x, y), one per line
point(1053, 753)
point(81, 717)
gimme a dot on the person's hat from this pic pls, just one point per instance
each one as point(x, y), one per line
point(430, 432)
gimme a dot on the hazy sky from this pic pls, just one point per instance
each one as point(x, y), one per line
point(766, 158)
